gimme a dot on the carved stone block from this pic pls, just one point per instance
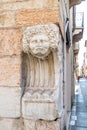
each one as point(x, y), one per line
point(39, 110)
point(42, 66)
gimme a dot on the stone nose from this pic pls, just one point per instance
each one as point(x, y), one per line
point(39, 42)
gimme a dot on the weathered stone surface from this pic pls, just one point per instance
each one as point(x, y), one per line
point(10, 102)
point(6, 5)
point(10, 71)
point(10, 42)
point(42, 65)
point(7, 19)
point(39, 16)
point(37, 110)
point(46, 125)
point(10, 124)
point(29, 125)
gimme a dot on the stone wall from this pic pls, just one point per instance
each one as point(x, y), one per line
point(31, 64)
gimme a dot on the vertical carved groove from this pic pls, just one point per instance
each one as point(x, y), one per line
point(51, 71)
point(52, 78)
point(56, 68)
point(44, 62)
point(46, 73)
point(41, 74)
point(37, 73)
point(31, 71)
point(28, 73)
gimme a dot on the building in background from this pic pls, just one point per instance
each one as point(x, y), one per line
point(84, 66)
point(78, 28)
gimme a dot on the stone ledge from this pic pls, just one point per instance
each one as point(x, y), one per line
point(35, 110)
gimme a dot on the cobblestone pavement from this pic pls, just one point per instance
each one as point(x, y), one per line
point(78, 119)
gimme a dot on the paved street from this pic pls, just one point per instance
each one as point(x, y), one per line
point(78, 120)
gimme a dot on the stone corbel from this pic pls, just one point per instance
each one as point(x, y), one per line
point(42, 63)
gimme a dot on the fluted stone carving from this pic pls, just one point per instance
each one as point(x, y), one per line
point(41, 64)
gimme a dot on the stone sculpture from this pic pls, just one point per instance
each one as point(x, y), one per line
point(41, 71)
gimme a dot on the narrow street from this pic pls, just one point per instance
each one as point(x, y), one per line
point(78, 119)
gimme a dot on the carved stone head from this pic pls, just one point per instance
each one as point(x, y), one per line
point(39, 45)
point(40, 40)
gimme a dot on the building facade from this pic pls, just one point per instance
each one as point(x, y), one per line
point(36, 64)
point(84, 66)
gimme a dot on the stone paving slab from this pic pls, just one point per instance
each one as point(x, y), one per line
point(81, 108)
point(81, 128)
point(81, 123)
point(72, 128)
point(82, 116)
point(83, 86)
